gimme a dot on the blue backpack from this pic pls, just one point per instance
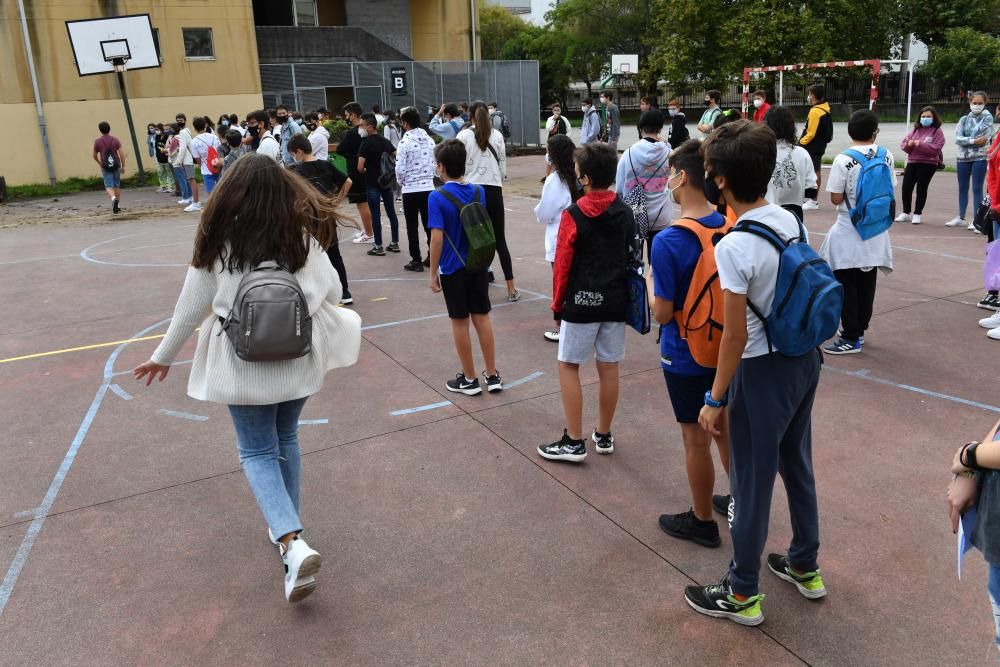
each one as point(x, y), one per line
point(875, 203)
point(807, 297)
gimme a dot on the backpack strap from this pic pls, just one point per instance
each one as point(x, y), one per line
point(761, 230)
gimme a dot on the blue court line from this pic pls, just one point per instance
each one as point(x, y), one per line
point(121, 392)
point(526, 378)
point(313, 422)
point(865, 375)
point(422, 408)
point(182, 415)
point(35, 527)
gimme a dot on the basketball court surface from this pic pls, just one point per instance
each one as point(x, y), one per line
point(128, 533)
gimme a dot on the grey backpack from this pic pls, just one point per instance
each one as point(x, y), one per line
point(269, 320)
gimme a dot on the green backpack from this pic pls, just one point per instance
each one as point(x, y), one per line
point(478, 230)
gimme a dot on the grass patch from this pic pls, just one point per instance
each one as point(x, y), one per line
point(76, 184)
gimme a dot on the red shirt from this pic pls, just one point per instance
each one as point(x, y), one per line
point(758, 114)
point(106, 143)
point(993, 174)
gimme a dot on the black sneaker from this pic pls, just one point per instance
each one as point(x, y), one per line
point(493, 382)
point(565, 449)
point(427, 262)
point(687, 526)
point(843, 346)
point(460, 385)
point(414, 265)
point(717, 601)
point(810, 584)
point(721, 504)
point(989, 302)
point(605, 442)
point(346, 299)
point(377, 251)
point(114, 206)
point(392, 247)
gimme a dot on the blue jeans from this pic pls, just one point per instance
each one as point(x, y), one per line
point(182, 182)
point(385, 196)
point(267, 437)
point(993, 588)
point(209, 180)
point(977, 172)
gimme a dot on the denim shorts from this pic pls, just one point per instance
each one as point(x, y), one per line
point(578, 342)
point(112, 178)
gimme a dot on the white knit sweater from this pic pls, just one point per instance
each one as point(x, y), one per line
point(219, 376)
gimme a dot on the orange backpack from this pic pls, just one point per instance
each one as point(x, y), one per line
point(701, 318)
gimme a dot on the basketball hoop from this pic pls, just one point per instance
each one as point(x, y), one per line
point(118, 64)
point(116, 52)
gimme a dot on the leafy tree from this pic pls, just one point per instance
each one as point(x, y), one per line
point(497, 26)
point(968, 56)
point(931, 20)
point(548, 47)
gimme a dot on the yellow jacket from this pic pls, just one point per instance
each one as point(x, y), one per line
point(812, 123)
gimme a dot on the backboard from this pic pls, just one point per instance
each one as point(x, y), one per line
point(98, 42)
point(624, 63)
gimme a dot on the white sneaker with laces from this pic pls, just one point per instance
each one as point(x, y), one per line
point(971, 227)
point(916, 220)
point(991, 322)
point(184, 202)
point(810, 205)
point(902, 217)
point(301, 563)
point(194, 206)
point(364, 238)
point(994, 333)
point(955, 222)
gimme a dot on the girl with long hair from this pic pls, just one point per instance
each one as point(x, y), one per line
point(793, 167)
point(560, 190)
point(486, 165)
point(262, 212)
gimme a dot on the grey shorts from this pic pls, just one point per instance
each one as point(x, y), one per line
point(188, 171)
point(579, 342)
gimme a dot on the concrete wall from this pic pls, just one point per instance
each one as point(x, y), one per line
point(440, 29)
point(73, 127)
point(389, 20)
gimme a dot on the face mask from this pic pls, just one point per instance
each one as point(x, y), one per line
point(182, 123)
point(758, 103)
point(281, 119)
point(253, 131)
point(926, 122)
point(712, 191)
point(584, 108)
point(670, 190)
point(492, 111)
point(548, 160)
point(152, 130)
point(310, 126)
point(672, 111)
point(579, 185)
point(158, 133)
point(707, 102)
point(977, 108)
point(361, 131)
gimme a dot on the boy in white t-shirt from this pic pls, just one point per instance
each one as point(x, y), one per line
point(852, 259)
point(769, 394)
point(200, 149)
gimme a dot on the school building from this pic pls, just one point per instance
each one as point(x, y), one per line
point(210, 53)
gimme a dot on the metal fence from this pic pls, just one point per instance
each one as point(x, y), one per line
point(512, 84)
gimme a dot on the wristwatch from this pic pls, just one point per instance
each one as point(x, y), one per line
point(712, 403)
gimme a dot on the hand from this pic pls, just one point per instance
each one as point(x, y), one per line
point(709, 419)
point(961, 496)
point(435, 281)
point(981, 141)
point(441, 110)
point(150, 370)
point(956, 463)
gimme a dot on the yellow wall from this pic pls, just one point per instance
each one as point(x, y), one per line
point(440, 29)
point(72, 129)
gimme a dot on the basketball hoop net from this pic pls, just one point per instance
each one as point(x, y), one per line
point(118, 63)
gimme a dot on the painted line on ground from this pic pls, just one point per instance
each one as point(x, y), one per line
point(182, 415)
point(864, 374)
point(313, 422)
point(916, 250)
point(420, 408)
point(526, 378)
point(35, 527)
point(86, 255)
point(120, 392)
point(81, 348)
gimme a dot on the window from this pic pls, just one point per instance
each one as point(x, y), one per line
point(305, 13)
point(198, 44)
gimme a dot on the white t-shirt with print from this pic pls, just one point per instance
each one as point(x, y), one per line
point(748, 265)
point(793, 175)
point(199, 149)
point(843, 247)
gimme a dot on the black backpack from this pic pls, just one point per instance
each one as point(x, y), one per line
point(387, 177)
point(110, 161)
point(825, 130)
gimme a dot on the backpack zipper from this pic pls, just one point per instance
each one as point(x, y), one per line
point(250, 321)
point(795, 278)
point(298, 320)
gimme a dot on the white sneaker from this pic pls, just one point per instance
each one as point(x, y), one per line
point(194, 206)
point(301, 563)
point(184, 202)
point(364, 238)
point(955, 222)
point(915, 220)
point(972, 228)
point(994, 333)
point(810, 205)
point(902, 217)
point(991, 322)
point(274, 540)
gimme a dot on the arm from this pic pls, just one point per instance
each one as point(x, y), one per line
point(194, 305)
point(836, 198)
point(962, 136)
point(361, 165)
point(555, 198)
point(734, 341)
point(663, 309)
point(121, 158)
point(812, 124)
point(501, 150)
point(564, 260)
point(402, 158)
point(437, 241)
point(97, 157)
point(904, 145)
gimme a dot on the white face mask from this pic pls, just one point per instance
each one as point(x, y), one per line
point(585, 107)
point(670, 190)
point(758, 103)
point(977, 108)
point(672, 111)
point(548, 160)
point(361, 131)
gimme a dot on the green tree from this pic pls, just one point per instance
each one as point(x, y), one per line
point(930, 21)
point(548, 47)
point(967, 55)
point(497, 26)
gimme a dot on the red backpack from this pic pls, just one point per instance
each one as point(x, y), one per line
point(702, 317)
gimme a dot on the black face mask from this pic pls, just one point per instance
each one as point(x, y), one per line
point(707, 102)
point(579, 186)
point(712, 192)
point(181, 123)
point(310, 126)
point(281, 119)
point(253, 130)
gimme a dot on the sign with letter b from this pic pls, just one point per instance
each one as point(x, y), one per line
point(398, 76)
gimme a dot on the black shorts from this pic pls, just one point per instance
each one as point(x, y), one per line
point(687, 394)
point(466, 293)
point(358, 194)
point(817, 157)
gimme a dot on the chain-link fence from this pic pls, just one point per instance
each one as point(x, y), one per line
point(512, 84)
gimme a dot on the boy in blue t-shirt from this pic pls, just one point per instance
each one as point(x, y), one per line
point(674, 256)
point(466, 293)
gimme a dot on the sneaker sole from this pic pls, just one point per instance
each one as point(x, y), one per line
point(690, 538)
point(494, 388)
point(986, 307)
point(310, 566)
point(991, 326)
point(303, 589)
point(602, 450)
point(837, 353)
point(806, 593)
point(736, 618)
point(346, 302)
point(550, 339)
point(574, 458)
point(467, 392)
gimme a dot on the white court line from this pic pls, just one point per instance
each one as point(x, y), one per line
point(865, 375)
point(420, 408)
point(313, 422)
point(182, 415)
point(120, 392)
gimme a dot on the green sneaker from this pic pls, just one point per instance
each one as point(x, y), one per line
point(717, 601)
point(810, 584)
